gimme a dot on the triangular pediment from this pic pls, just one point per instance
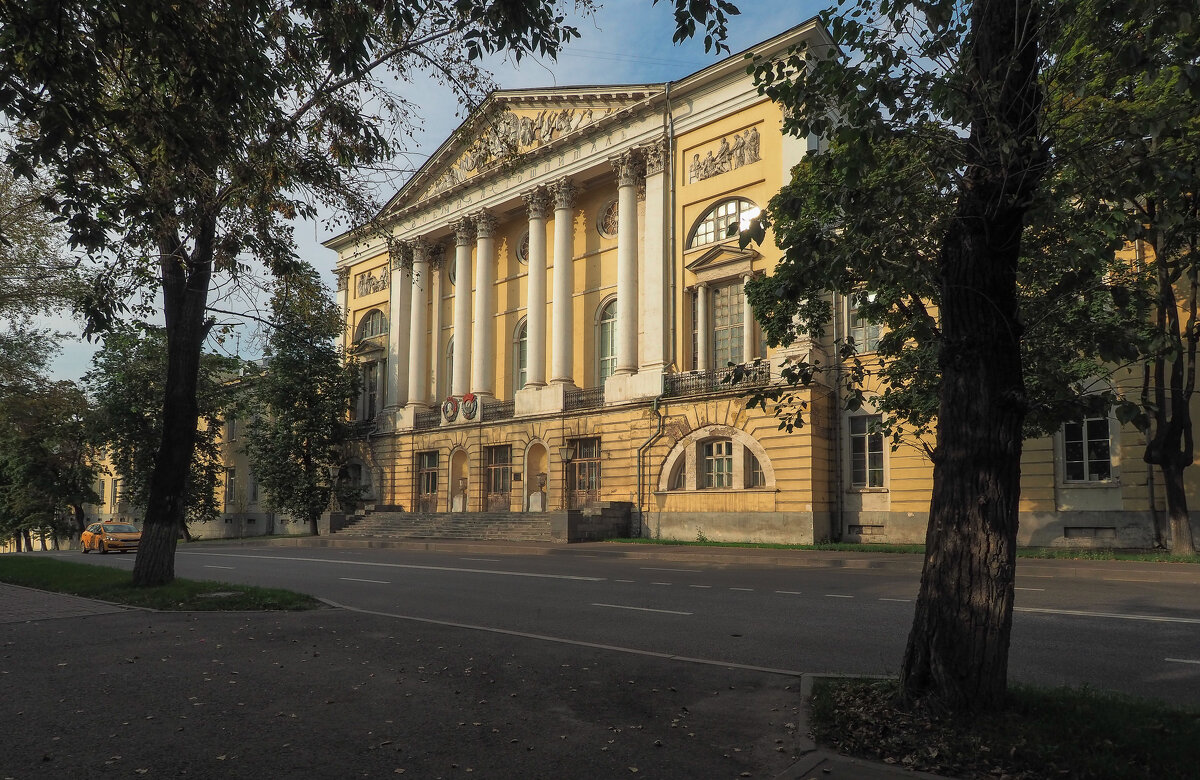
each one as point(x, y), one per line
point(509, 125)
point(720, 257)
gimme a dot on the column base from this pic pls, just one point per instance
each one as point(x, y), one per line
point(631, 387)
point(540, 400)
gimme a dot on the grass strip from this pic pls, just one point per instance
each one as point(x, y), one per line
point(116, 585)
point(1100, 554)
point(1061, 732)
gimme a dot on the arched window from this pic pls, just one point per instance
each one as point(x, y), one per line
point(606, 340)
point(372, 324)
point(521, 355)
point(716, 221)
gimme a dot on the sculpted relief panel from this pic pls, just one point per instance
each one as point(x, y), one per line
point(744, 150)
point(369, 282)
point(512, 134)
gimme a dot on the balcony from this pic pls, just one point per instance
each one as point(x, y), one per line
point(361, 429)
point(591, 398)
point(498, 410)
point(715, 381)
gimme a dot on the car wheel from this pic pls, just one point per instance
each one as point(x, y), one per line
point(102, 547)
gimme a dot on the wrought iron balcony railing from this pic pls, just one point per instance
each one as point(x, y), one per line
point(499, 410)
point(716, 380)
point(591, 398)
point(427, 419)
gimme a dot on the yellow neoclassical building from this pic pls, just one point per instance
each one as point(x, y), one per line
point(546, 318)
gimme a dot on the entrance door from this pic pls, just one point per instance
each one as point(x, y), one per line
point(427, 481)
point(499, 478)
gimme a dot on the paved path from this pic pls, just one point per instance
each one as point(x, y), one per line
point(95, 689)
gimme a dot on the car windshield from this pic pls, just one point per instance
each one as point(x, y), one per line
point(120, 528)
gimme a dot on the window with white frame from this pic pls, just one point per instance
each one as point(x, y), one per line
point(230, 487)
point(717, 463)
point(521, 356)
point(866, 451)
point(606, 340)
point(715, 223)
point(865, 334)
point(755, 478)
point(373, 324)
point(1087, 453)
point(726, 321)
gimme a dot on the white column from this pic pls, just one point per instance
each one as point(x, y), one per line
point(654, 317)
point(563, 312)
point(399, 320)
point(703, 327)
point(418, 335)
point(629, 169)
point(343, 288)
point(464, 235)
point(437, 257)
point(749, 343)
point(535, 298)
point(483, 372)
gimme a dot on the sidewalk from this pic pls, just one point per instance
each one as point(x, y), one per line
point(92, 688)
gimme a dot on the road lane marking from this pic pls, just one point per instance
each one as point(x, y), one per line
point(455, 569)
point(1114, 615)
point(751, 590)
point(690, 571)
point(904, 601)
point(624, 580)
point(660, 583)
point(1182, 660)
point(837, 596)
point(573, 642)
point(493, 560)
point(789, 592)
point(1126, 579)
point(356, 579)
point(1015, 588)
point(700, 586)
point(641, 609)
point(209, 566)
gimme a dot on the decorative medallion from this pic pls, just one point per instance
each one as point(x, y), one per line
point(523, 249)
point(606, 222)
point(470, 405)
point(450, 409)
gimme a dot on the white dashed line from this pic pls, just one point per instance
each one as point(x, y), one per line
point(1116, 615)
point(493, 560)
point(837, 596)
point(651, 568)
point(624, 580)
point(1182, 660)
point(903, 601)
point(641, 609)
point(789, 592)
point(700, 586)
point(1039, 589)
point(660, 583)
point(744, 589)
point(373, 582)
point(207, 566)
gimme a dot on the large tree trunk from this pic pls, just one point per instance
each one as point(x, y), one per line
point(1178, 517)
point(185, 281)
point(957, 653)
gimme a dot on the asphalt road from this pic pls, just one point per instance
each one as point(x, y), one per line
point(1112, 629)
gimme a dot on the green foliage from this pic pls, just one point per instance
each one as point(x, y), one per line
point(35, 273)
point(127, 381)
point(301, 400)
point(47, 464)
point(111, 584)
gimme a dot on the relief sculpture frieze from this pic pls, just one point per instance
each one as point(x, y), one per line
point(728, 156)
point(369, 282)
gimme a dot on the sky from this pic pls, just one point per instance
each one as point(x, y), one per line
point(624, 42)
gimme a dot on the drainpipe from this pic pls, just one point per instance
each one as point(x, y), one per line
point(641, 453)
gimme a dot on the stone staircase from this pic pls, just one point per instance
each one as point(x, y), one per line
point(495, 526)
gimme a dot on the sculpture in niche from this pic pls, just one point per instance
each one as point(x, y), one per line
point(743, 151)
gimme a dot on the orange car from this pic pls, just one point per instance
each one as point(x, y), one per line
point(107, 537)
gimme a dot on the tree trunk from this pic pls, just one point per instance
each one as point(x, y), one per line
point(1178, 517)
point(28, 539)
point(957, 653)
point(185, 283)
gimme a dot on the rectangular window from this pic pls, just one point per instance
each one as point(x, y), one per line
point(252, 487)
point(231, 428)
point(115, 494)
point(230, 487)
point(370, 390)
point(754, 473)
point(499, 476)
point(717, 459)
point(727, 324)
point(1087, 456)
point(865, 334)
point(693, 301)
point(583, 471)
point(100, 492)
point(866, 452)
